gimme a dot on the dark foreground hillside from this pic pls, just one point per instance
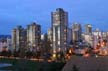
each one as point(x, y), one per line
point(78, 63)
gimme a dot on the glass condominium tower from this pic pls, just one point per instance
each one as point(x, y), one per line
point(19, 38)
point(59, 30)
point(33, 36)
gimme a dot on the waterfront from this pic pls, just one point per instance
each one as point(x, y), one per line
point(32, 65)
point(81, 63)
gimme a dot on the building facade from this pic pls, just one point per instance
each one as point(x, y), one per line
point(19, 38)
point(88, 29)
point(33, 36)
point(50, 34)
point(59, 30)
point(5, 42)
point(76, 32)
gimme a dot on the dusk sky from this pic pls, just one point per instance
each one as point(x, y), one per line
point(23, 12)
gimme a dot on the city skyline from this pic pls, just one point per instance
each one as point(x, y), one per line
point(54, 35)
point(15, 13)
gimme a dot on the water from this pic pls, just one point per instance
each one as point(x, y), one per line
point(5, 70)
point(5, 65)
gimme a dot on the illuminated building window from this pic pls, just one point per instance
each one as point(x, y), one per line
point(64, 30)
point(58, 42)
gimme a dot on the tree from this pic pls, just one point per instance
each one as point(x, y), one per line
point(4, 53)
point(16, 53)
point(75, 68)
point(98, 69)
point(47, 46)
point(9, 53)
point(29, 54)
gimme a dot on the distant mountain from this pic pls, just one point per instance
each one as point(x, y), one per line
point(5, 36)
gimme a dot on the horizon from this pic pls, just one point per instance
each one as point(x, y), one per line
point(17, 12)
